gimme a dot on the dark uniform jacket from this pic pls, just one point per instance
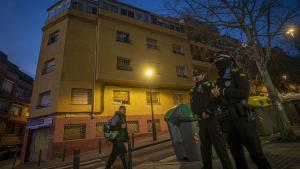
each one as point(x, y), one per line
point(119, 123)
point(234, 89)
point(201, 99)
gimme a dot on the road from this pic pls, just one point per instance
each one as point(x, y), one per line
point(163, 152)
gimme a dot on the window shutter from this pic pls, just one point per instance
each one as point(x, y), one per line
point(81, 96)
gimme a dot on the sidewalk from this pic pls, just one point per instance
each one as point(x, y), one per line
point(93, 155)
point(280, 155)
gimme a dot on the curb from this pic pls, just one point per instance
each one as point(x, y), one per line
point(105, 156)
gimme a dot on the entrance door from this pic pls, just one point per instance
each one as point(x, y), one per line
point(39, 141)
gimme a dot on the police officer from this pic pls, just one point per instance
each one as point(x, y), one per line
point(119, 123)
point(237, 121)
point(203, 106)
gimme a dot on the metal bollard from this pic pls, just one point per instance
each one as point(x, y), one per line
point(132, 140)
point(64, 154)
point(100, 145)
point(129, 162)
point(40, 158)
point(76, 159)
point(15, 159)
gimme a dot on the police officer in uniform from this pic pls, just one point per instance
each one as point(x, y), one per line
point(237, 121)
point(119, 123)
point(203, 106)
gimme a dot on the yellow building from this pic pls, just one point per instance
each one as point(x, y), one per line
point(92, 61)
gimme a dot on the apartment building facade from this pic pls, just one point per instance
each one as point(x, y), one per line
point(15, 93)
point(92, 61)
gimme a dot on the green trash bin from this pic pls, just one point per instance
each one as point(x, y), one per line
point(182, 126)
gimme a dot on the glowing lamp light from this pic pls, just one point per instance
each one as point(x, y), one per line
point(149, 72)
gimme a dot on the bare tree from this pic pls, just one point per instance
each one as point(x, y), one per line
point(260, 23)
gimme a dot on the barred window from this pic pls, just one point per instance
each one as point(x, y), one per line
point(155, 97)
point(123, 37)
point(177, 49)
point(133, 126)
point(121, 97)
point(49, 66)
point(157, 125)
point(81, 96)
point(124, 64)
point(152, 43)
point(74, 131)
point(180, 71)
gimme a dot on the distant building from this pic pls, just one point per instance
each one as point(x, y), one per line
point(15, 93)
point(130, 41)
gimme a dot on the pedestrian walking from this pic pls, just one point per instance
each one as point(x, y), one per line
point(119, 124)
point(204, 106)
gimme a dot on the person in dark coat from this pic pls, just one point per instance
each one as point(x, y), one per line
point(237, 121)
point(118, 123)
point(204, 107)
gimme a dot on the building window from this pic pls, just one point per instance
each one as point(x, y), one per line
point(155, 97)
point(91, 10)
point(53, 37)
point(152, 44)
point(157, 125)
point(7, 86)
point(128, 13)
point(20, 93)
point(15, 110)
point(124, 64)
point(49, 66)
point(10, 128)
point(142, 17)
point(74, 131)
point(44, 99)
point(77, 5)
point(81, 96)
point(121, 97)
point(123, 37)
point(178, 98)
point(133, 126)
point(3, 107)
point(110, 7)
point(181, 72)
point(99, 129)
point(177, 49)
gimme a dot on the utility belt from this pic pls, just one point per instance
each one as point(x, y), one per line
point(236, 110)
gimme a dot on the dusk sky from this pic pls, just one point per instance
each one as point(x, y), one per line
point(21, 22)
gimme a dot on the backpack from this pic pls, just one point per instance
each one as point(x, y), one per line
point(108, 132)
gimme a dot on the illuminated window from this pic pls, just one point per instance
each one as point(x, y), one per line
point(121, 97)
point(15, 110)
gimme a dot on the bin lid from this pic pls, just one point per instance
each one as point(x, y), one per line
point(259, 101)
point(182, 110)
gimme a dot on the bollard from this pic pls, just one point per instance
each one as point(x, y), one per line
point(15, 159)
point(64, 154)
point(100, 145)
point(129, 162)
point(40, 158)
point(76, 159)
point(132, 140)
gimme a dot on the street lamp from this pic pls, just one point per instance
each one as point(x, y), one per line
point(291, 32)
point(149, 74)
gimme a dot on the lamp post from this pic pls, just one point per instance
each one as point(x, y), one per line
point(149, 74)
